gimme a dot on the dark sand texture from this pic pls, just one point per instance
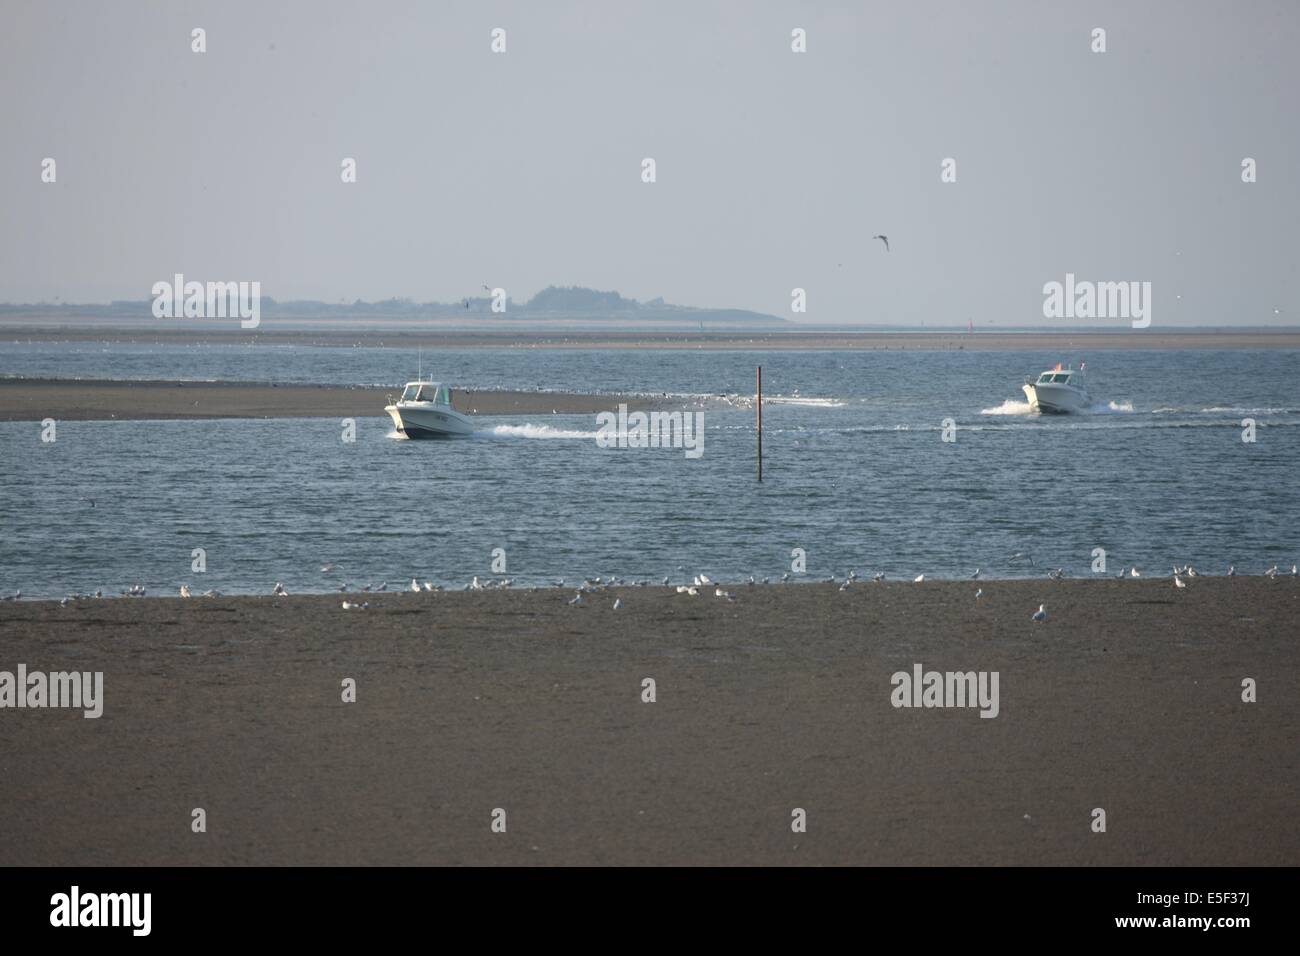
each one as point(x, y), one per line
point(1129, 699)
point(38, 399)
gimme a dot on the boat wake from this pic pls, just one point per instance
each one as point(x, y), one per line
point(1009, 407)
point(1111, 408)
point(1013, 407)
point(531, 431)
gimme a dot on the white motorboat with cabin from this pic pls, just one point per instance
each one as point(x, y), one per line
point(1058, 390)
point(424, 411)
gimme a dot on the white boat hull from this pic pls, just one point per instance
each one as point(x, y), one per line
point(425, 420)
point(1060, 399)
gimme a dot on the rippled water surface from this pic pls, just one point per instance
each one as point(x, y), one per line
point(855, 468)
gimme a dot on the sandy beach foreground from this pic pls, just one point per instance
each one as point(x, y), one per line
point(1128, 699)
point(91, 400)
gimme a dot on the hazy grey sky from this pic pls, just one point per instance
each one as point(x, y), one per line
point(774, 168)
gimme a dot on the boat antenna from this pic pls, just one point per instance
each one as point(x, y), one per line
point(419, 367)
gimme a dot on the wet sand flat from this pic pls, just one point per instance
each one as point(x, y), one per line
point(1128, 699)
point(37, 399)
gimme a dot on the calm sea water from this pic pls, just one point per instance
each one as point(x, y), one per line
point(855, 472)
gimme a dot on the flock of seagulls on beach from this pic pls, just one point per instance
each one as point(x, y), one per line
point(700, 583)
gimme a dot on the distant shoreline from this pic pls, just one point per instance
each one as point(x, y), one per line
point(727, 340)
point(26, 400)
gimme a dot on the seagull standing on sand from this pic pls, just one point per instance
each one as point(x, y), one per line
point(979, 593)
point(1232, 570)
point(1179, 582)
point(1133, 572)
point(1041, 614)
point(618, 603)
point(919, 578)
point(185, 590)
point(279, 590)
point(976, 575)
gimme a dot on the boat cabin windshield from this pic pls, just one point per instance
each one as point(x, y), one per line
point(1058, 378)
point(426, 392)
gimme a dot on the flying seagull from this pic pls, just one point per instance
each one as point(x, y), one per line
point(884, 239)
